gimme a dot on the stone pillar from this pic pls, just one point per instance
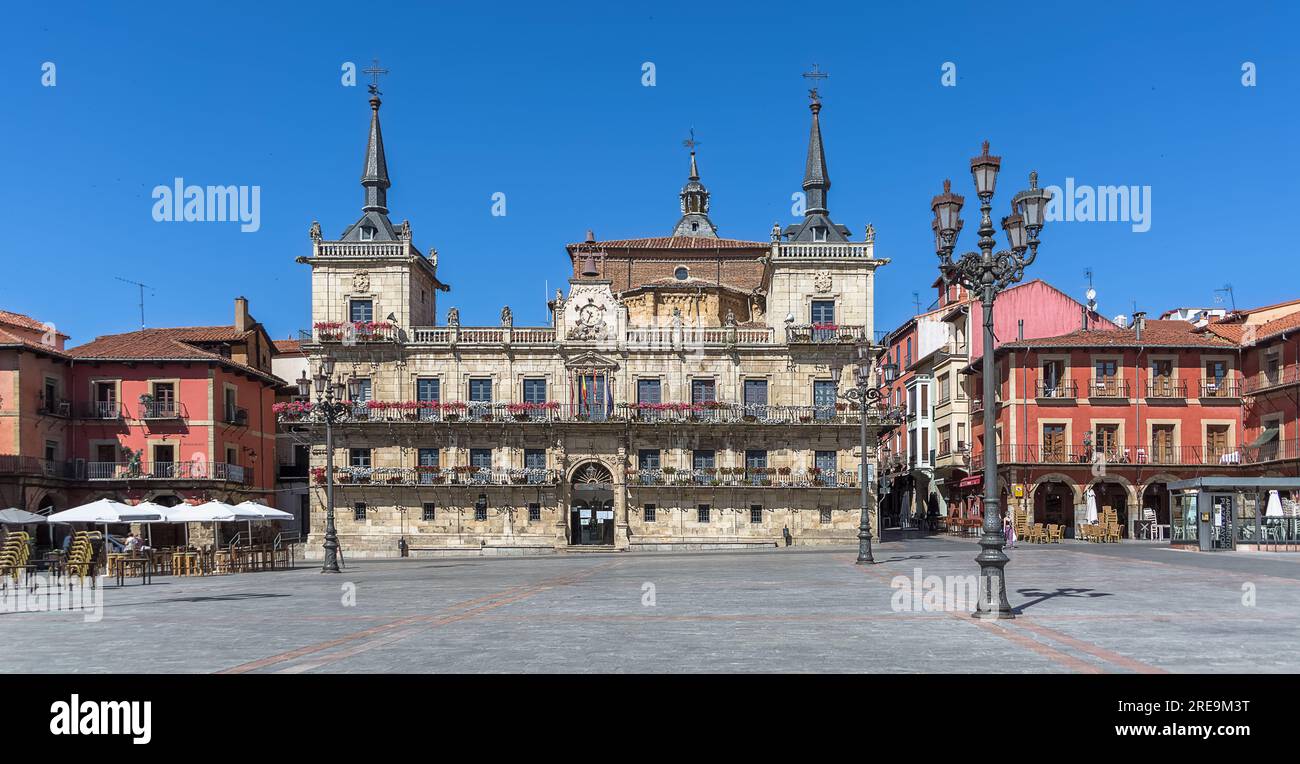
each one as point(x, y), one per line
point(621, 538)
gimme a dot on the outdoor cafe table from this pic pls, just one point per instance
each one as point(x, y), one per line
point(142, 563)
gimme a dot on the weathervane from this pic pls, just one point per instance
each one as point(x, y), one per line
point(375, 73)
point(814, 75)
point(690, 142)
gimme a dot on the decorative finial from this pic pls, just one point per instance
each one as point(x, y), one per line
point(1033, 179)
point(375, 73)
point(815, 75)
point(947, 185)
point(591, 237)
point(986, 148)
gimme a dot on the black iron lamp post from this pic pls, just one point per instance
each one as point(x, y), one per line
point(865, 396)
point(332, 407)
point(987, 273)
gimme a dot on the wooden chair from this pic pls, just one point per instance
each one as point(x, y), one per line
point(1055, 533)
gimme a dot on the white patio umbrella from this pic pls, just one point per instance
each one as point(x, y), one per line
point(14, 516)
point(107, 512)
point(1092, 506)
point(1274, 505)
point(266, 512)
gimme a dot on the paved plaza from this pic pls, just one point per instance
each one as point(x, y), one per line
point(1083, 608)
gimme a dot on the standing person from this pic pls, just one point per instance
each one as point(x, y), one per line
point(1008, 530)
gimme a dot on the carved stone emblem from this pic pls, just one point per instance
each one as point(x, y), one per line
point(822, 281)
point(361, 281)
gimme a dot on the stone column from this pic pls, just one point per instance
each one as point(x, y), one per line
point(621, 538)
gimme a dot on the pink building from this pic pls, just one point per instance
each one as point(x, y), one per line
point(170, 415)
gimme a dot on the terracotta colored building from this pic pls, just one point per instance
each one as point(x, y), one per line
point(161, 414)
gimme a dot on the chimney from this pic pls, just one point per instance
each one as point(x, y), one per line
point(243, 321)
point(1139, 324)
point(1020, 330)
point(1083, 311)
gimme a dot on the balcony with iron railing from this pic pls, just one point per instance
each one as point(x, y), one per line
point(434, 476)
point(744, 477)
point(1166, 389)
point(710, 412)
point(1058, 390)
point(355, 332)
point(1119, 456)
point(236, 415)
point(1268, 380)
point(161, 409)
point(31, 466)
point(1108, 387)
point(103, 410)
point(58, 407)
point(182, 471)
point(1220, 389)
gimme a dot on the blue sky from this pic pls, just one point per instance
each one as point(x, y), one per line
point(546, 105)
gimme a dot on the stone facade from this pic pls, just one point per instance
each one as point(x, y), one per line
point(681, 396)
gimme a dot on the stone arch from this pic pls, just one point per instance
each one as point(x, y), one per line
point(576, 472)
point(1059, 477)
point(1129, 491)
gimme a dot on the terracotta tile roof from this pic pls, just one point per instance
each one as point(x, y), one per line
point(1158, 333)
point(691, 282)
point(1287, 323)
point(670, 243)
point(172, 344)
point(9, 338)
point(287, 347)
point(23, 322)
point(1230, 332)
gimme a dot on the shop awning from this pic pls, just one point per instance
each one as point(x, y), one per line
point(1269, 433)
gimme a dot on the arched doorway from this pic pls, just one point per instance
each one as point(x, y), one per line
point(1111, 495)
point(1155, 504)
point(591, 510)
point(1054, 504)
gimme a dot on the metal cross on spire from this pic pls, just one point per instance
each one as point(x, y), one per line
point(690, 142)
point(814, 75)
point(375, 73)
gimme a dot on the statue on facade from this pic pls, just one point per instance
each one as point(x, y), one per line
point(559, 298)
point(776, 232)
point(315, 230)
point(405, 233)
point(871, 234)
point(453, 317)
point(507, 318)
point(731, 317)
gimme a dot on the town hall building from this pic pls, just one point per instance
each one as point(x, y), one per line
point(683, 395)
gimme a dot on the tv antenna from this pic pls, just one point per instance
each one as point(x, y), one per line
point(1218, 296)
point(916, 302)
point(142, 288)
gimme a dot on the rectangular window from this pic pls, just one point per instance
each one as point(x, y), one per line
point(756, 397)
point(594, 395)
point(1106, 378)
point(428, 389)
point(647, 391)
point(647, 459)
point(427, 511)
point(925, 400)
point(925, 444)
point(535, 458)
point(823, 312)
point(1108, 440)
point(534, 391)
point(1163, 445)
point(944, 440)
point(480, 508)
point(825, 463)
point(363, 390)
point(756, 513)
point(358, 457)
point(51, 451)
point(945, 387)
point(961, 436)
point(480, 458)
point(534, 512)
point(908, 360)
point(1216, 442)
point(755, 459)
point(480, 390)
point(1054, 447)
point(703, 391)
point(702, 513)
point(361, 310)
point(824, 514)
point(824, 398)
point(649, 510)
point(359, 511)
point(427, 465)
point(702, 459)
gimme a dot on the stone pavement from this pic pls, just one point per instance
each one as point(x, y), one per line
point(1084, 608)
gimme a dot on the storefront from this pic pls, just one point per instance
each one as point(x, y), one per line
point(1226, 513)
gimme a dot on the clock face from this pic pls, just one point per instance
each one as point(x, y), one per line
point(589, 315)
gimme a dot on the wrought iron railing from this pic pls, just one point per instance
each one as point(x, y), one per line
point(1220, 388)
point(1265, 380)
point(823, 334)
point(1108, 387)
point(108, 410)
point(192, 470)
point(1066, 390)
point(162, 409)
point(748, 477)
point(1167, 388)
point(419, 476)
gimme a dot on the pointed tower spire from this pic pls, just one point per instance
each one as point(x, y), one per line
point(374, 224)
point(817, 224)
point(695, 201)
point(374, 176)
point(816, 181)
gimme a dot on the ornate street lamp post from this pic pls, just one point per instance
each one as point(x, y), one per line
point(986, 273)
point(865, 396)
point(331, 407)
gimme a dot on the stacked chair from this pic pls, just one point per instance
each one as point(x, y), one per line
point(14, 554)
